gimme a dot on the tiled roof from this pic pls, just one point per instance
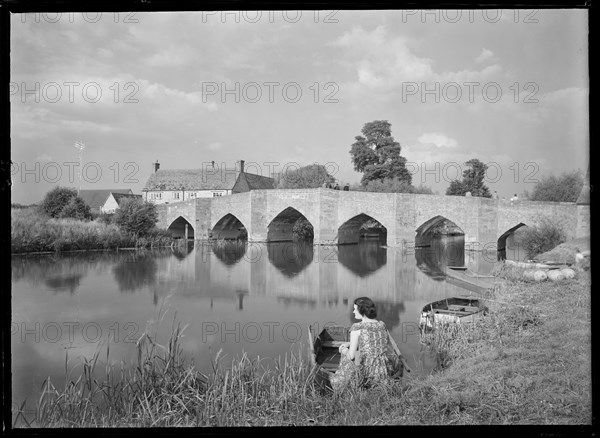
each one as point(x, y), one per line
point(120, 196)
point(197, 179)
point(190, 179)
point(258, 182)
point(97, 198)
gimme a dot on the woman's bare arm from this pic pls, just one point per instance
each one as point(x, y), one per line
point(354, 334)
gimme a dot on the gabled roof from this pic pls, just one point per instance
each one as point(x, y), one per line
point(197, 179)
point(120, 196)
point(258, 182)
point(190, 179)
point(97, 198)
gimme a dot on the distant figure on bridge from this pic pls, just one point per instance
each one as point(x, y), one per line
point(514, 199)
point(336, 187)
point(346, 187)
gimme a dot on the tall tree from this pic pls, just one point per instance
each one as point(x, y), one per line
point(377, 155)
point(563, 188)
point(307, 177)
point(472, 181)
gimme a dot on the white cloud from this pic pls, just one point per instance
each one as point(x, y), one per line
point(437, 139)
point(485, 55)
point(43, 157)
point(385, 64)
point(215, 146)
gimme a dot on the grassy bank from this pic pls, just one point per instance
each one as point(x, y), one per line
point(34, 232)
point(528, 363)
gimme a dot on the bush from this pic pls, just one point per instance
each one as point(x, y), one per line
point(564, 188)
point(136, 216)
point(76, 209)
point(393, 185)
point(543, 237)
point(303, 230)
point(57, 199)
point(106, 218)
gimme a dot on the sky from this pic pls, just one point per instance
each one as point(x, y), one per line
point(281, 90)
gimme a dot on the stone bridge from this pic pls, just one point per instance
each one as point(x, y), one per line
point(336, 216)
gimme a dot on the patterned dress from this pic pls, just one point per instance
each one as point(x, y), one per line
point(370, 367)
point(372, 343)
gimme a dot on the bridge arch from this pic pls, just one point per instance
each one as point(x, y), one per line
point(361, 225)
point(178, 227)
point(504, 240)
point(438, 225)
point(229, 227)
point(281, 227)
point(444, 252)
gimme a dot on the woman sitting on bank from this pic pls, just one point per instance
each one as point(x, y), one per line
point(368, 341)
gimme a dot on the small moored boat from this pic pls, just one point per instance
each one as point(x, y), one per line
point(467, 279)
point(325, 355)
point(451, 310)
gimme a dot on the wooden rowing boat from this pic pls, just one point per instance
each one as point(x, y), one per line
point(467, 279)
point(460, 310)
point(325, 355)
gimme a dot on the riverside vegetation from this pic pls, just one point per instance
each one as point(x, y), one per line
point(529, 362)
point(33, 231)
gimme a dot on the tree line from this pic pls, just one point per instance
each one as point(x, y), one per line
point(377, 155)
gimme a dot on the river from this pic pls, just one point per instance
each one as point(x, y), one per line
point(245, 297)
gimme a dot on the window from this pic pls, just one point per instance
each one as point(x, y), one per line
point(215, 194)
point(176, 195)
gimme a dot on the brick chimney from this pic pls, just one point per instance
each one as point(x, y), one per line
point(241, 166)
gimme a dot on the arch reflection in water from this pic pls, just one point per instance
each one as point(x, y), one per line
point(290, 258)
point(363, 259)
point(442, 251)
point(182, 250)
point(229, 252)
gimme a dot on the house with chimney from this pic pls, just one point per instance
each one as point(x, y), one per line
point(166, 186)
point(106, 200)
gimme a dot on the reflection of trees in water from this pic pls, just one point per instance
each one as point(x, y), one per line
point(363, 258)
point(290, 258)
point(135, 272)
point(37, 269)
point(444, 251)
point(388, 312)
point(64, 283)
point(229, 251)
point(297, 302)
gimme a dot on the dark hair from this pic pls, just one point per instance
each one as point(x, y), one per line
point(366, 307)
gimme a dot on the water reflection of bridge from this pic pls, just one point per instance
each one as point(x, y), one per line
point(292, 272)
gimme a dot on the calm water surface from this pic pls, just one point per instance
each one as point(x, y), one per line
point(254, 298)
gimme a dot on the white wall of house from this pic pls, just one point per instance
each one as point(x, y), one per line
point(172, 196)
point(110, 205)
